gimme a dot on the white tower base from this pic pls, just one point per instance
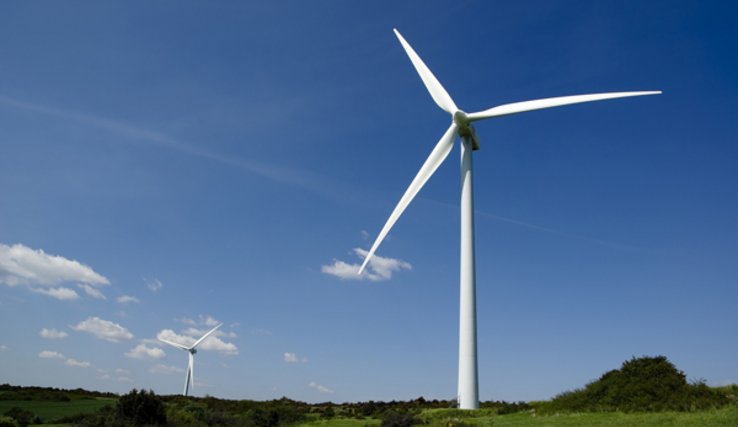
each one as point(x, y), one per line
point(468, 396)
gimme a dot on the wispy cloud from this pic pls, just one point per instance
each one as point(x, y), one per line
point(53, 333)
point(48, 354)
point(379, 268)
point(77, 363)
point(154, 285)
point(103, 329)
point(207, 320)
point(553, 231)
point(92, 292)
point(293, 358)
point(141, 351)
point(166, 369)
point(61, 293)
point(125, 299)
point(44, 273)
point(274, 172)
point(320, 388)
point(3, 347)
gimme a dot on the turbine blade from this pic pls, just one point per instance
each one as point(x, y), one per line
point(205, 336)
point(173, 344)
point(538, 104)
point(436, 157)
point(437, 91)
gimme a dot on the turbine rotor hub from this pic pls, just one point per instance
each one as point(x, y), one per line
point(461, 119)
point(465, 129)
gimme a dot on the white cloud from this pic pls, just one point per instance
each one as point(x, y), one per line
point(294, 358)
point(21, 265)
point(3, 347)
point(63, 294)
point(125, 299)
point(53, 334)
point(216, 344)
point(125, 380)
point(121, 371)
point(47, 354)
point(320, 388)
point(102, 374)
point(103, 329)
point(91, 291)
point(154, 285)
point(212, 343)
point(166, 369)
point(141, 351)
point(209, 321)
point(378, 269)
point(77, 363)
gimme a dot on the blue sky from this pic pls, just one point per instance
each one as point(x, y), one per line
point(166, 166)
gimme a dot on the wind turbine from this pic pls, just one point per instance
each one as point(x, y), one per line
point(190, 378)
point(461, 125)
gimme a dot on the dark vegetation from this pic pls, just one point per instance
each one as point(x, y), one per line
point(49, 394)
point(646, 384)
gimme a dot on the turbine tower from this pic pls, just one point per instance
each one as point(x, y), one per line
point(461, 125)
point(191, 350)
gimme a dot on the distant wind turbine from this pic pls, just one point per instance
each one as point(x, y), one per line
point(461, 125)
point(190, 378)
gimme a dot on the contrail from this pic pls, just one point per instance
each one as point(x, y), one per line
point(302, 179)
point(558, 232)
point(548, 230)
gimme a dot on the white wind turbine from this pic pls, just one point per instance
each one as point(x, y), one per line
point(461, 125)
point(190, 378)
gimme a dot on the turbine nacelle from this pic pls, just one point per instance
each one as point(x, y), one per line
point(465, 129)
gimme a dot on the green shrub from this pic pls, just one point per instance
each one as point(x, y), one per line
point(22, 417)
point(399, 419)
point(646, 384)
point(140, 409)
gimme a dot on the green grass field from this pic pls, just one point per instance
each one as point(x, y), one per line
point(49, 410)
point(726, 417)
point(341, 422)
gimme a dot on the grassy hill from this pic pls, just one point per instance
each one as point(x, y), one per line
point(647, 391)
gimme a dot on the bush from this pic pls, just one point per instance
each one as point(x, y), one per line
point(645, 384)
point(22, 417)
point(399, 419)
point(140, 409)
